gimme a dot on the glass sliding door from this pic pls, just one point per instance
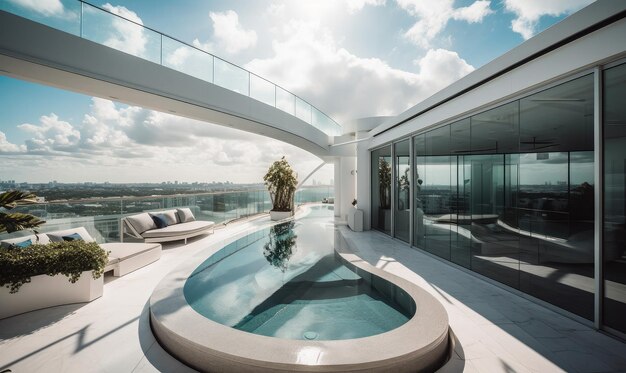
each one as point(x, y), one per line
point(381, 189)
point(509, 193)
point(614, 231)
point(495, 245)
point(555, 183)
point(436, 192)
point(402, 192)
point(460, 181)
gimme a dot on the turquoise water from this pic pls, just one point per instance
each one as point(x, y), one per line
point(287, 282)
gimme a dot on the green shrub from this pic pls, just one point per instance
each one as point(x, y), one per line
point(69, 258)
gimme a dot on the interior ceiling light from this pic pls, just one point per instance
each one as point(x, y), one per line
point(557, 99)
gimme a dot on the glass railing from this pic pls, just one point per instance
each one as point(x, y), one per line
point(101, 216)
point(130, 36)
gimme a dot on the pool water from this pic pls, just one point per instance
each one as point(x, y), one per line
point(287, 282)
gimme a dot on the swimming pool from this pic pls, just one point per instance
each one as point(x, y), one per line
point(286, 281)
point(292, 296)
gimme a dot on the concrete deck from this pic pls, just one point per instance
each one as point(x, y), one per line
point(498, 331)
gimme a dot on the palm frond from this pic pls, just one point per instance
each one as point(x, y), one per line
point(14, 198)
point(17, 221)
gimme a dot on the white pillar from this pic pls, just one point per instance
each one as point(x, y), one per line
point(363, 187)
point(337, 180)
point(348, 185)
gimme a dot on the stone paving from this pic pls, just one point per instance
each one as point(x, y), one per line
point(497, 330)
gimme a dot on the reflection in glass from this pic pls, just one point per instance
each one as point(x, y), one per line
point(381, 189)
point(509, 193)
point(188, 60)
point(231, 77)
point(615, 198)
point(403, 191)
point(115, 32)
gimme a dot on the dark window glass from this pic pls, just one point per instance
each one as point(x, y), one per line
point(402, 211)
point(381, 189)
point(615, 198)
point(559, 118)
point(460, 180)
point(496, 131)
point(555, 184)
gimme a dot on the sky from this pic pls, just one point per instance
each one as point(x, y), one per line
point(350, 59)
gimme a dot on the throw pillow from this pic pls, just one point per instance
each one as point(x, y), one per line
point(73, 237)
point(160, 220)
point(185, 215)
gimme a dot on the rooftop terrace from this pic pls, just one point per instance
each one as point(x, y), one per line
point(495, 330)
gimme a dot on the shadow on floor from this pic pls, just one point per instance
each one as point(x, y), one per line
point(33, 321)
point(564, 342)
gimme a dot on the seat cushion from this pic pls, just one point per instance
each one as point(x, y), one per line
point(185, 215)
point(122, 250)
point(181, 229)
point(43, 239)
point(57, 236)
point(141, 222)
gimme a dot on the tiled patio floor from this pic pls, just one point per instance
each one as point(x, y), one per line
point(498, 331)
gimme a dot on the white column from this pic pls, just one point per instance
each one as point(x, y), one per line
point(337, 164)
point(348, 185)
point(363, 183)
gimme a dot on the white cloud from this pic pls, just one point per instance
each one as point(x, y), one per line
point(48, 8)
point(433, 16)
point(528, 12)
point(229, 34)
point(7, 147)
point(122, 143)
point(126, 36)
point(51, 134)
point(309, 63)
point(356, 5)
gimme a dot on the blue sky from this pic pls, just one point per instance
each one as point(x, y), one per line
point(351, 59)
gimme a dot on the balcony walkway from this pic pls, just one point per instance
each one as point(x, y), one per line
point(224, 94)
point(498, 331)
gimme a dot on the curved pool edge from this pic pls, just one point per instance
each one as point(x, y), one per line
point(421, 344)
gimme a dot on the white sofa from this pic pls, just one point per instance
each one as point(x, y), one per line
point(47, 291)
point(181, 225)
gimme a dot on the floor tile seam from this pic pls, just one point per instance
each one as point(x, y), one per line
point(144, 357)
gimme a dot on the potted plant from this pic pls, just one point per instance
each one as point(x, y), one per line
point(28, 269)
point(281, 182)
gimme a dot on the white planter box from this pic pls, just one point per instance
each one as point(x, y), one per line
point(355, 220)
point(46, 291)
point(280, 215)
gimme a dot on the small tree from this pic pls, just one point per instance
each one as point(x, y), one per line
point(16, 221)
point(281, 182)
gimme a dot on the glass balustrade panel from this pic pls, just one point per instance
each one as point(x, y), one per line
point(231, 77)
point(188, 60)
point(262, 90)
